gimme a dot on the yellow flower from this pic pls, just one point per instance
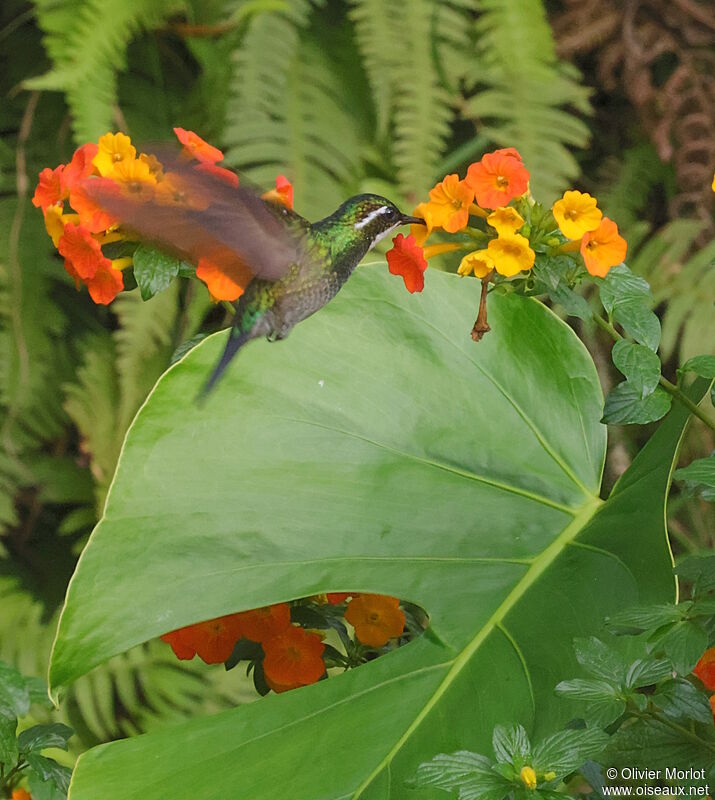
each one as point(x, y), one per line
point(576, 213)
point(55, 222)
point(479, 262)
point(422, 232)
point(528, 777)
point(114, 149)
point(136, 178)
point(506, 220)
point(511, 254)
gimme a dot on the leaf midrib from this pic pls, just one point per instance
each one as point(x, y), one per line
point(540, 564)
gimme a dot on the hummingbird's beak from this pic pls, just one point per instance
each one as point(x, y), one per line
point(412, 220)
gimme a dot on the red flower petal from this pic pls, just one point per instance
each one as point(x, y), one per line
point(223, 174)
point(80, 167)
point(195, 146)
point(407, 259)
point(49, 188)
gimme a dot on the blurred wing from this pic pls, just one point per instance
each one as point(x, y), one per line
point(202, 216)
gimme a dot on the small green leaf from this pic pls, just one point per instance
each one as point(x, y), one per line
point(603, 702)
point(679, 699)
point(697, 570)
point(597, 658)
point(187, 345)
point(467, 773)
point(154, 270)
point(683, 643)
point(43, 790)
point(638, 364)
point(701, 365)
point(38, 737)
point(573, 304)
point(626, 406)
point(644, 618)
point(646, 671)
point(510, 743)
point(699, 475)
point(49, 770)
point(622, 286)
point(14, 692)
point(567, 750)
point(639, 321)
point(8, 742)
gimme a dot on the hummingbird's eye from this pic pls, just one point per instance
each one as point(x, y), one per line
point(390, 213)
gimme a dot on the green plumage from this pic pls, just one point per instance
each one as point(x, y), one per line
point(327, 253)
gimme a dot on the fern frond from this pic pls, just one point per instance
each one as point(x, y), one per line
point(285, 114)
point(528, 98)
point(87, 44)
point(686, 284)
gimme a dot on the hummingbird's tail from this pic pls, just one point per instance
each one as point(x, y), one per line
point(237, 338)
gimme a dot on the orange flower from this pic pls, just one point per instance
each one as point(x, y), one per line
point(407, 259)
point(498, 178)
point(420, 233)
point(449, 203)
point(197, 148)
point(261, 624)
point(106, 283)
point(221, 173)
point(225, 281)
point(77, 245)
point(511, 254)
point(577, 213)
point(603, 248)
point(49, 189)
point(285, 189)
point(174, 190)
point(92, 215)
point(377, 618)
point(113, 149)
point(21, 794)
point(293, 658)
point(80, 167)
point(705, 669)
point(335, 598)
point(212, 640)
point(283, 193)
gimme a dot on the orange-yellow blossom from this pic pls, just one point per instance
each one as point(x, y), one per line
point(114, 149)
point(449, 204)
point(511, 254)
point(603, 248)
point(506, 220)
point(577, 213)
point(479, 262)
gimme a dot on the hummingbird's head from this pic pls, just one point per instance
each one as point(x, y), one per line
point(372, 217)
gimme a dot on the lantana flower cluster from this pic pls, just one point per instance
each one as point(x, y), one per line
point(284, 643)
point(80, 228)
point(501, 226)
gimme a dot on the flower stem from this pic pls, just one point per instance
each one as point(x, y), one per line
point(481, 326)
point(684, 732)
point(669, 387)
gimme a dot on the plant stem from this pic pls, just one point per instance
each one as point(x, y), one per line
point(684, 732)
point(669, 387)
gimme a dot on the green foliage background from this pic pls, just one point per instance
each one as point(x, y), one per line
point(339, 95)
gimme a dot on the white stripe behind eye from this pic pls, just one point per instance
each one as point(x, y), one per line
point(371, 216)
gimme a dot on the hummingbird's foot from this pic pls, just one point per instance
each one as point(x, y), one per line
point(481, 326)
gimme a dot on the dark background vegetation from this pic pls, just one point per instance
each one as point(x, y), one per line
point(615, 98)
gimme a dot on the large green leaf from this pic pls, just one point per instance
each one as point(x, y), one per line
point(378, 449)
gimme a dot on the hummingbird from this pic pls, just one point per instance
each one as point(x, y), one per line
point(291, 267)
